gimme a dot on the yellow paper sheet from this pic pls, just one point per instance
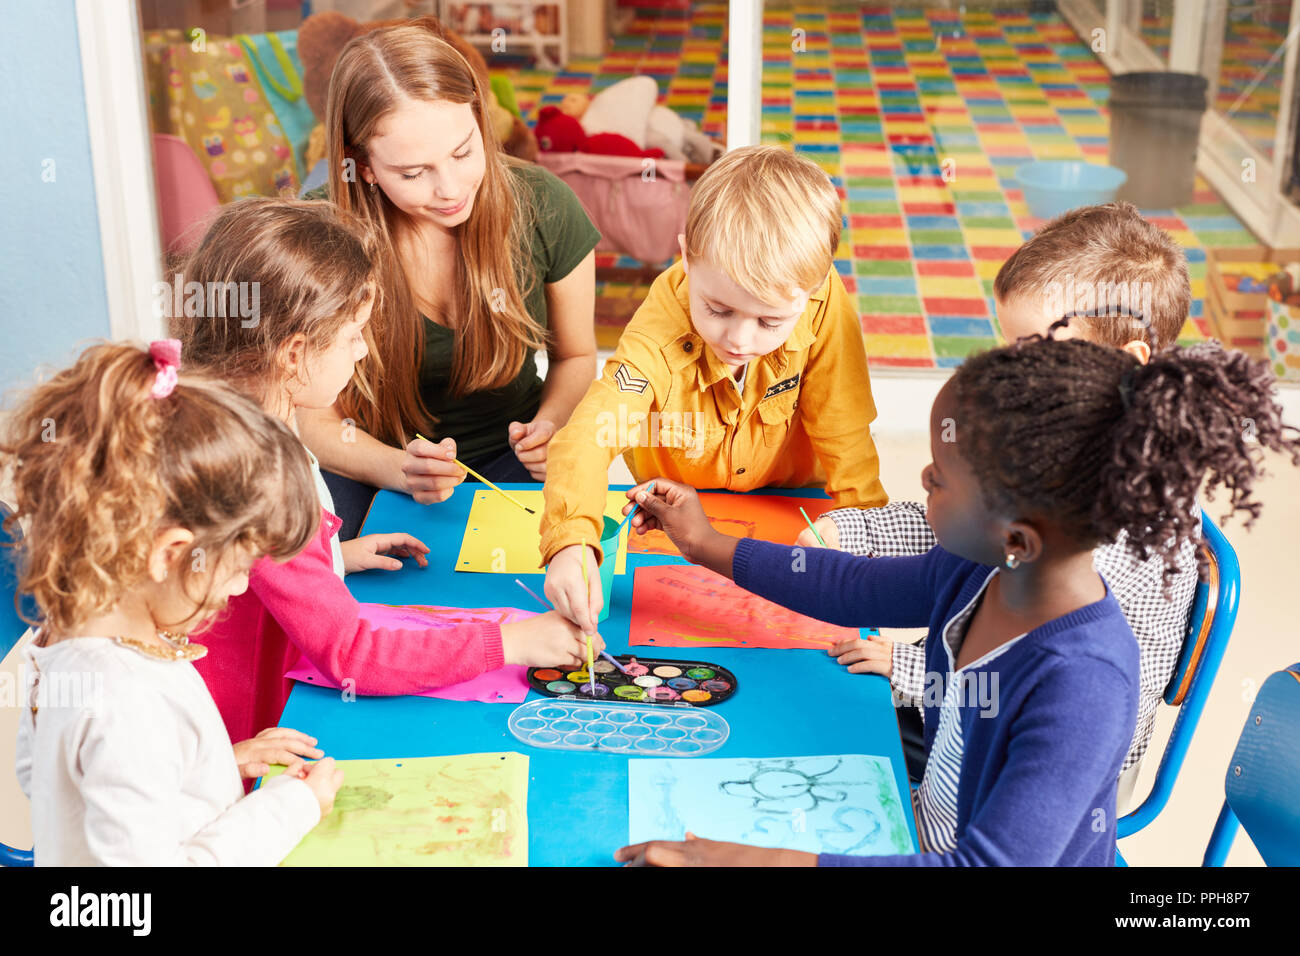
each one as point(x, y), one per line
point(467, 810)
point(502, 538)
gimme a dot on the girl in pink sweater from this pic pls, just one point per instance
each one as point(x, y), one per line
point(308, 272)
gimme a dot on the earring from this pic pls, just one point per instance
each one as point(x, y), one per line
point(373, 187)
point(1012, 562)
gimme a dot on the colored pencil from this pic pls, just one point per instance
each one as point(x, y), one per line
point(485, 481)
point(820, 539)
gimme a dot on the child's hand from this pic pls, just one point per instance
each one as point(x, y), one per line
point(565, 589)
point(429, 471)
point(324, 779)
point(547, 640)
point(673, 508)
point(697, 852)
point(369, 550)
point(273, 745)
point(826, 528)
point(875, 655)
point(529, 443)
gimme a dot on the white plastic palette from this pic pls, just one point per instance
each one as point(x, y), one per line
point(616, 728)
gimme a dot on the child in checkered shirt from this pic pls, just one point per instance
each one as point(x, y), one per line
point(1123, 282)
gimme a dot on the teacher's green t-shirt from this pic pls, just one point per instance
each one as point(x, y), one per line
point(560, 237)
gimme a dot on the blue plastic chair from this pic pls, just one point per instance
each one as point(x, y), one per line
point(1214, 611)
point(1264, 777)
point(12, 628)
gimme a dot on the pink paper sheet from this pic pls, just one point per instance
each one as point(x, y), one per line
point(505, 685)
point(677, 605)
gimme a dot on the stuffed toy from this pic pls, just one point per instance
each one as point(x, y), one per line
point(322, 37)
point(629, 109)
point(558, 132)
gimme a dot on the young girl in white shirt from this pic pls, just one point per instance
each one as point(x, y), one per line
point(145, 496)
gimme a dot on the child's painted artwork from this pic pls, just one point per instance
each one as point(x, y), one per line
point(766, 517)
point(502, 538)
point(842, 804)
point(677, 605)
point(505, 685)
point(467, 810)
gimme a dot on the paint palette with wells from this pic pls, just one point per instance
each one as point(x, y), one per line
point(647, 681)
point(619, 728)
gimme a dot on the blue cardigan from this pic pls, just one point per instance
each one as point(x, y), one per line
point(1039, 769)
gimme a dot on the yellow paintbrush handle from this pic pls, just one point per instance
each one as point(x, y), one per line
point(471, 471)
point(586, 587)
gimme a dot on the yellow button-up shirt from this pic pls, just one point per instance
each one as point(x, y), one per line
point(671, 407)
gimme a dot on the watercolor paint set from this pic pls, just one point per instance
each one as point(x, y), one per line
point(645, 681)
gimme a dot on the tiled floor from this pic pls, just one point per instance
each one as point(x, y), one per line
point(921, 118)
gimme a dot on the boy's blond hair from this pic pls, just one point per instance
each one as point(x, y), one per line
point(1107, 260)
point(767, 218)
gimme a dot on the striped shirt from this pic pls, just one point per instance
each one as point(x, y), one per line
point(936, 798)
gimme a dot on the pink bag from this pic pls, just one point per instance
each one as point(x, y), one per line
point(186, 196)
point(639, 205)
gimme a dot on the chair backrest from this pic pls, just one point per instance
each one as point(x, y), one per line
point(12, 627)
point(1264, 777)
point(1214, 612)
point(186, 195)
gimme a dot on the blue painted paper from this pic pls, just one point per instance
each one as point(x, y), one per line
point(833, 804)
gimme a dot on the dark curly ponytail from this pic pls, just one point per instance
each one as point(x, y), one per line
point(1087, 437)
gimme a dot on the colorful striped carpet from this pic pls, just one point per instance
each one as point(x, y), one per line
point(921, 118)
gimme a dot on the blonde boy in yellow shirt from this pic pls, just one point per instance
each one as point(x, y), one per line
point(749, 374)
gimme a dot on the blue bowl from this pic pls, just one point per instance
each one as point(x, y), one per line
point(1053, 186)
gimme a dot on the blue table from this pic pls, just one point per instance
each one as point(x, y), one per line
point(577, 802)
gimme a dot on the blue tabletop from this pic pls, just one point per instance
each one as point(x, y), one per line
point(788, 702)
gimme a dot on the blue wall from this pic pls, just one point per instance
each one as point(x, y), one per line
point(52, 295)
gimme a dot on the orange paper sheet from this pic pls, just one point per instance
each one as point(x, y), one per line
point(766, 517)
point(677, 605)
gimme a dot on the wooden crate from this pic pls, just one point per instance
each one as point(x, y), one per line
point(1240, 319)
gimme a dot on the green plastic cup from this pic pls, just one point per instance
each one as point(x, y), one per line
point(609, 548)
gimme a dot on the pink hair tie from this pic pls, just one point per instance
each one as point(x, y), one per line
point(166, 355)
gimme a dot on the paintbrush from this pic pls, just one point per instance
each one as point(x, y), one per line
point(820, 539)
point(484, 480)
point(650, 488)
point(591, 670)
point(546, 604)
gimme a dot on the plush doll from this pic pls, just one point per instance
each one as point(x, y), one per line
point(322, 37)
point(629, 109)
point(559, 133)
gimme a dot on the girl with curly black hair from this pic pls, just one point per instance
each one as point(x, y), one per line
point(1041, 450)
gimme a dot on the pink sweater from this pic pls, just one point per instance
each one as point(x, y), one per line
point(303, 605)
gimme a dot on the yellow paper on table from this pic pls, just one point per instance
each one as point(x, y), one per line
point(467, 810)
point(502, 538)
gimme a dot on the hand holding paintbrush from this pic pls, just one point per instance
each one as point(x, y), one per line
point(675, 509)
point(429, 470)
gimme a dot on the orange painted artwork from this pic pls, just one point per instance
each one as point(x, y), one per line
point(676, 605)
point(766, 517)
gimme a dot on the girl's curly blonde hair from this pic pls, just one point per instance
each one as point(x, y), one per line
point(99, 467)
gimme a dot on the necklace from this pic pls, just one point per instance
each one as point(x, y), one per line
point(180, 647)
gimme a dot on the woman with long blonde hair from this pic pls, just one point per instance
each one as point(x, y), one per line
point(483, 260)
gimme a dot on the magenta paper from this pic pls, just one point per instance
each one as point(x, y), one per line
point(505, 685)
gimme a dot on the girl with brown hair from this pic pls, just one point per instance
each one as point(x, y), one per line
point(147, 494)
point(483, 259)
point(314, 268)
